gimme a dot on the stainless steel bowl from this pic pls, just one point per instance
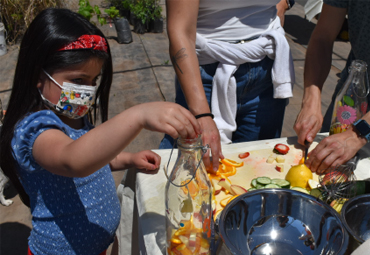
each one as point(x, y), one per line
point(281, 222)
point(356, 218)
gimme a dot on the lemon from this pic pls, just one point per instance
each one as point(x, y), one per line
point(299, 175)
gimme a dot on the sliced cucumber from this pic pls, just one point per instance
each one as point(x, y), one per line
point(300, 189)
point(281, 182)
point(260, 186)
point(254, 182)
point(251, 189)
point(263, 180)
point(272, 186)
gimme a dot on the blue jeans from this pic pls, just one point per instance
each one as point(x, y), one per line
point(259, 116)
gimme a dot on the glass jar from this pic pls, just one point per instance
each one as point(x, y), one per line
point(351, 101)
point(189, 225)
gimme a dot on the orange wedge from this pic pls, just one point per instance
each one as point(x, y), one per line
point(232, 198)
point(224, 201)
point(230, 162)
point(192, 187)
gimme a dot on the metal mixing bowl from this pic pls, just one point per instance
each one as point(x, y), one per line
point(281, 222)
point(356, 218)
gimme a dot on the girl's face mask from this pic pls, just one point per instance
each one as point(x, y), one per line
point(75, 100)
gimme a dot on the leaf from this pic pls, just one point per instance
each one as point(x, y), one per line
point(348, 100)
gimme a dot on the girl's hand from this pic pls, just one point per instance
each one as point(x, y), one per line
point(211, 136)
point(334, 150)
point(169, 118)
point(146, 160)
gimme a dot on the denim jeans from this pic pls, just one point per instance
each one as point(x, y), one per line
point(259, 116)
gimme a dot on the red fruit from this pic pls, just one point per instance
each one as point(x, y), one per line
point(281, 148)
point(278, 168)
point(217, 192)
point(244, 155)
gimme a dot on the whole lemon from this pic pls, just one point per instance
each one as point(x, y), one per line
point(299, 175)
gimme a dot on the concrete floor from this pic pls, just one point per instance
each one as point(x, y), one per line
point(143, 73)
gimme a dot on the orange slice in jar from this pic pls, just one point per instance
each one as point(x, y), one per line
point(192, 187)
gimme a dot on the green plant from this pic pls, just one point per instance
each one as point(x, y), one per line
point(112, 12)
point(126, 4)
point(140, 10)
point(18, 14)
point(156, 10)
point(88, 12)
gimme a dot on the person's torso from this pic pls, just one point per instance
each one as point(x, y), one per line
point(235, 20)
point(69, 215)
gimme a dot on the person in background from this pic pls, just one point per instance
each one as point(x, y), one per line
point(234, 69)
point(339, 148)
point(60, 164)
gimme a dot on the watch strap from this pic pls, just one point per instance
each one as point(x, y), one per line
point(363, 128)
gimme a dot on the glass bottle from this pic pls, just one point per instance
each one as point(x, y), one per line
point(188, 190)
point(351, 101)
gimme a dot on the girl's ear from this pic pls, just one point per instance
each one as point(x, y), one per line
point(41, 81)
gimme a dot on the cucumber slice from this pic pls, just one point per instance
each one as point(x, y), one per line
point(263, 180)
point(300, 189)
point(251, 189)
point(281, 182)
point(272, 186)
point(254, 182)
point(260, 186)
point(315, 192)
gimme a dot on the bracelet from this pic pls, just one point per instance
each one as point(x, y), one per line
point(204, 115)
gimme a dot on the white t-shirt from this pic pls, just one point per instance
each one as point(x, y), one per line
point(235, 20)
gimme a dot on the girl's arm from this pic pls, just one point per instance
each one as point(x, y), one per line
point(144, 160)
point(59, 154)
point(181, 27)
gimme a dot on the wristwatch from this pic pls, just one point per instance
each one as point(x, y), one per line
point(290, 3)
point(363, 129)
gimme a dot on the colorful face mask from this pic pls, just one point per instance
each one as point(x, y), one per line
point(75, 100)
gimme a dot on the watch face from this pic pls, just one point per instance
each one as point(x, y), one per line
point(363, 127)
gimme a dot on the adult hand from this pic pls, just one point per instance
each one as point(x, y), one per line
point(334, 150)
point(146, 160)
point(169, 118)
point(308, 124)
point(211, 136)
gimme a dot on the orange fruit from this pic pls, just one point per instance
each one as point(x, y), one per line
point(230, 162)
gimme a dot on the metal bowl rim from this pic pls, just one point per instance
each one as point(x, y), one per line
point(344, 209)
point(273, 190)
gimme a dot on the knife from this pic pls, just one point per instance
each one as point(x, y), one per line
point(307, 144)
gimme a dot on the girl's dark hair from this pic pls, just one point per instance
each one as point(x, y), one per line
point(48, 32)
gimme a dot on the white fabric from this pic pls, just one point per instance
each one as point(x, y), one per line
point(312, 8)
point(223, 104)
point(363, 249)
point(234, 20)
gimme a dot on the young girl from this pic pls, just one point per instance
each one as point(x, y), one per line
point(61, 165)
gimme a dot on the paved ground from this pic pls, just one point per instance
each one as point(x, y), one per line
point(143, 73)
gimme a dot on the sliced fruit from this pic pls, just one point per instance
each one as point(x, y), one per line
point(226, 185)
point(313, 184)
point(263, 180)
point(300, 189)
point(230, 162)
point(280, 159)
point(279, 168)
point(334, 177)
point(281, 148)
point(232, 198)
point(316, 192)
point(251, 189)
point(272, 186)
point(217, 213)
point(254, 183)
point(244, 155)
point(281, 182)
point(238, 190)
point(224, 201)
point(192, 187)
point(271, 159)
point(299, 175)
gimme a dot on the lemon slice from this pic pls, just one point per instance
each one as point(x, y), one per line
point(313, 184)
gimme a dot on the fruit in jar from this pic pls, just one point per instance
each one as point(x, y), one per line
point(299, 175)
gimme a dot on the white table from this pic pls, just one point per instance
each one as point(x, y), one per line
point(143, 204)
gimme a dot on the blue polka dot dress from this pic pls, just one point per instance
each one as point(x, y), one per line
point(69, 215)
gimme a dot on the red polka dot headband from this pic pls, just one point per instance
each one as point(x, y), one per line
point(94, 42)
